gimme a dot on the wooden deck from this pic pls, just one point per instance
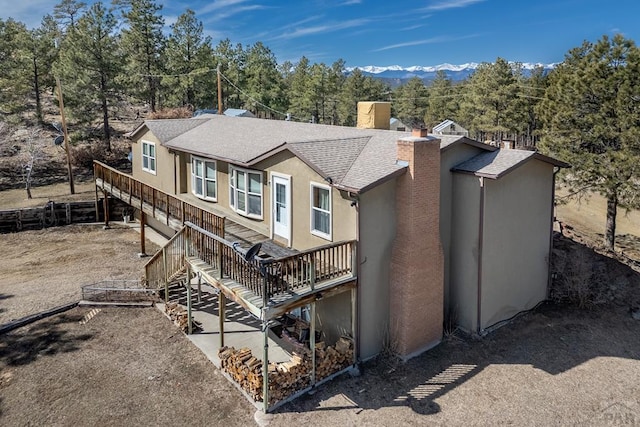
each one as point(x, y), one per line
point(284, 278)
point(277, 304)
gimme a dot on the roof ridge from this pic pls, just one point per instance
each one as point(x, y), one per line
point(357, 157)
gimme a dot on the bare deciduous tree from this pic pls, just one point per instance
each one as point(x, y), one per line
point(32, 152)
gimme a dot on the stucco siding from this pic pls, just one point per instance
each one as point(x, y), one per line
point(163, 178)
point(343, 215)
point(377, 233)
point(465, 221)
point(448, 159)
point(516, 241)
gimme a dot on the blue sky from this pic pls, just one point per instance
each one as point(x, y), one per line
point(405, 33)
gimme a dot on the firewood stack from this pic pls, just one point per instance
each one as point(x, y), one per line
point(244, 368)
point(334, 358)
point(285, 378)
point(180, 317)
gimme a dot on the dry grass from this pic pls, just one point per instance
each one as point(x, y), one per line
point(60, 192)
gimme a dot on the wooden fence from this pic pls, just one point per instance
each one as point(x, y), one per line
point(55, 214)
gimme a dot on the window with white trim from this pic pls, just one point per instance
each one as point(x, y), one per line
point(149, 157)
point(321, 210)
point(203, 178)
point(245, 192)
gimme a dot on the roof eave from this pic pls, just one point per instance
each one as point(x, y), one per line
point(469, 141)
point(374, 184)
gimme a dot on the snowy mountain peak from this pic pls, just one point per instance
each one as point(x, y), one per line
point(470, 66)
point(395, 74)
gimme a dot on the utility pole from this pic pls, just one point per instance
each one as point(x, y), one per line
point(66, 136)
point(219, 90)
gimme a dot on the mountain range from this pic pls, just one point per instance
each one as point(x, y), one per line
point(396, 75)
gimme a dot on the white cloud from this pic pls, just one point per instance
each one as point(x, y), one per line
point(451, 4)
point(432, 40)
point(319, 29)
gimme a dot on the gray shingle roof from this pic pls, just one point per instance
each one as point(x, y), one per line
point(353, 158)
point(166, 130)
point(496, 164)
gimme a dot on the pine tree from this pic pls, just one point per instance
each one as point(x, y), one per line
point(15, 80)
point(490, 105)
point(591, 118)
point(41, 47)
point(410, 102)
point(190, 60)
point(443, 101)
point(302, 103)
point(263, 82)
point(143, 43)
point(232, 61)
point(90, 61)
point(67, 12)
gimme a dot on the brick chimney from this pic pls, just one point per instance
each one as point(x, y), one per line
point(417, 271)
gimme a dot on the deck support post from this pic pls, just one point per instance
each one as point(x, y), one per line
point(166, 275)
point(199, 287)
point(188, 283)
point(222, 305)
point(265, 366)
point(312, 343)
point(97, 204)
point(265, 354)
point(143, 221)
point(105, 208)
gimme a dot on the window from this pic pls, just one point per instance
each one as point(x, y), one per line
point(245, 195)
point(149, 157)
point(321, 210)
point(203, 178)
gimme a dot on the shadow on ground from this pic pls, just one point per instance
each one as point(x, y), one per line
point(43, 338)
point(555, 337)
point(3, 297)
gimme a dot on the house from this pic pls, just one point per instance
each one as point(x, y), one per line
point(237, 112)
point(396, 124)
point(378, 234)
point(449, 127)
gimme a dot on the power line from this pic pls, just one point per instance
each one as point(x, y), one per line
point(252, 98)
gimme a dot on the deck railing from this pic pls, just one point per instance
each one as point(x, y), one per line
point(201, 237)
point(140, 195)
point(272, 276)
point(167, 262)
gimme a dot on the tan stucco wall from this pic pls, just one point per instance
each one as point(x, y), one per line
point(463, 276)
point(343, 216)
point(163, 179)
point(448, 159)
point(516, 241)
point(377, 233)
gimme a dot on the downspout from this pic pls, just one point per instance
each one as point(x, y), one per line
point(480, 245)
point(175, 174)
point(553, 208)
point(359, 262)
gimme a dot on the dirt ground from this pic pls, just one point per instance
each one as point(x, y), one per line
point(17, 197)
point(42, 269)
point(557, 365)
point(123, 367)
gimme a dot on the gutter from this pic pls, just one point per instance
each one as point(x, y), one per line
point(480, 246)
